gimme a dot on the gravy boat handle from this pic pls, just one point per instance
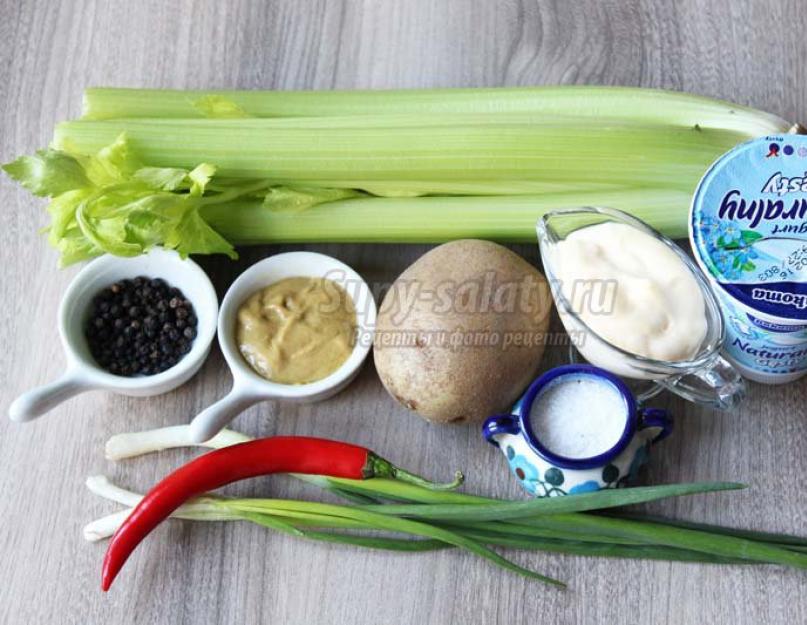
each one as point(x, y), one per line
point(214, 418)
point(718, 385)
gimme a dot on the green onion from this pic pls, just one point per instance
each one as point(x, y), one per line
point(587, 526)
point(792, 542)
point(290, 508)
point(422, 519)
point(369, 542)
point(508, 510)
point(659, 534)
point(600, 549)
point(393, 490)
point(572, 547)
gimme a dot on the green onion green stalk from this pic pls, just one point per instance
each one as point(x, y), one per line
point(407, 517)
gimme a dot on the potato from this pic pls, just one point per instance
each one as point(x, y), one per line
point(461, 332)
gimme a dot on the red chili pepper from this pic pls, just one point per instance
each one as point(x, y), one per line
point(278, 454)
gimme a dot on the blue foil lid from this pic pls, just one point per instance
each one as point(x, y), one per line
point(748, 225)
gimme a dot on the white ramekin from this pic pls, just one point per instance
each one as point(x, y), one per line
point(250, 388)
point(82, 372)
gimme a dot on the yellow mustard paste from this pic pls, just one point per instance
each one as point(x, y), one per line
point(297, 330)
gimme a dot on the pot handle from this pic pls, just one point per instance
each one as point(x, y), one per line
point(38, 401)
point(499, 424)
point(214, 418)
point(656, 418)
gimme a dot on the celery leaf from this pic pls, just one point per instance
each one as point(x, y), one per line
point(116, 162)
point(162, 178)
point(292, 199)
point(110, 202)
point(48, 172)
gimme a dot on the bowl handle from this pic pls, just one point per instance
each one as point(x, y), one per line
point(42, 399)
point(212, 419)
point(498, 425)
point(656, 418)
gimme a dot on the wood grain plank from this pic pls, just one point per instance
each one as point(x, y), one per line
point(196, 573)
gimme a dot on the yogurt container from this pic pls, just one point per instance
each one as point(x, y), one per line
point(748, 229)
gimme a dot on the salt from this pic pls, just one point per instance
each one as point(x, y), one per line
point(578, 416)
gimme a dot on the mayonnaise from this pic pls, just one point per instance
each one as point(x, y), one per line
point(633, 291)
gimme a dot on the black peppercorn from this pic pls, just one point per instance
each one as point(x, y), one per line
point(140, 326)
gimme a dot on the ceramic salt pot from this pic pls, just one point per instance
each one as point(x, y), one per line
point(576, 429)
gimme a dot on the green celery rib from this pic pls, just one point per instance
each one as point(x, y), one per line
point(434, 219)
point(364, 153)
point(641, 105)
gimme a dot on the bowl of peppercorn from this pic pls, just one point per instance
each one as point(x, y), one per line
point(136, 326)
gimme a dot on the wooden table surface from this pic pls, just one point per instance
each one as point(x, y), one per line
point(746, 51)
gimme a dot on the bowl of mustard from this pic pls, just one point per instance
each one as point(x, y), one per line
point(293, 327)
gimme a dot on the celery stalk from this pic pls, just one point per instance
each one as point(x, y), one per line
point(433, 219)
point(200, 171)
point(634, 104)
point(432, 154)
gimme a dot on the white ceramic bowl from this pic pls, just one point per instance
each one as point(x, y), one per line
point(250, 388)
point(83, 373)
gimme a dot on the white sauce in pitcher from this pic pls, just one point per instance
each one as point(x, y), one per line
point(632, 290)
point(578, 416)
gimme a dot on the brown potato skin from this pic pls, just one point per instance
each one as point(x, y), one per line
point(446, 384)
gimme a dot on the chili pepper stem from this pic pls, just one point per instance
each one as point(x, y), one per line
point(376, 466)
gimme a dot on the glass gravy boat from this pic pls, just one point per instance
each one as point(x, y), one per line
point(706, 378)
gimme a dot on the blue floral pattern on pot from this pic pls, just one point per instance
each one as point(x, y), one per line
point(543, 475)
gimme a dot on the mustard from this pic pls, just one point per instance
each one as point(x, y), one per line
point(297, 330)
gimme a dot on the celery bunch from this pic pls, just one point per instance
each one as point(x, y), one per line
point(202, 171)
